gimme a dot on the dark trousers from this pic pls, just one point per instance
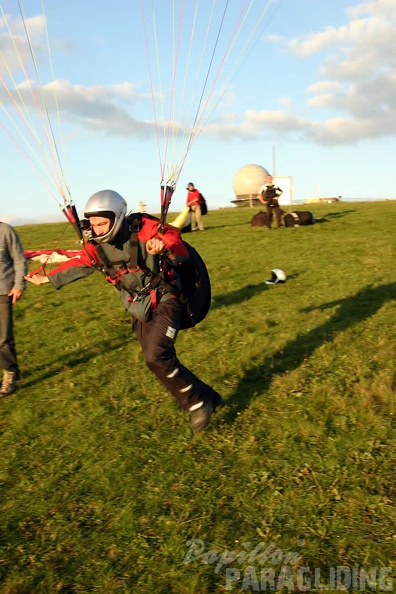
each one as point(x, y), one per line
point(8, 357)
point(278, 214)
point(157, 340)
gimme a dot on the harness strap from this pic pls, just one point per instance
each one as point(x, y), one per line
point(135, 223)
point(110, 269)
point(156, 280)
point(115, 270)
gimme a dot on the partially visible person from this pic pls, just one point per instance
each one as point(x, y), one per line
point(268, 195)
point(194, 203)
point(131, 251)
point(13, 268)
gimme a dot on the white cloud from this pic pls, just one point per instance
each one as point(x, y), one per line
point(322, 100)
point(274, 38)
point(102, 110)
point(257, 124)
point(98, 108)
point(277, 120)
point(285, 101)
point(324, 86)
point(315, 42)
point(358, 76)
point(344, 130)
point(374, 7)
point(14, 47)
point(354, 97)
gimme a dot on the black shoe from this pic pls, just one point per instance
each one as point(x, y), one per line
point(217, 400)
point(201, 416)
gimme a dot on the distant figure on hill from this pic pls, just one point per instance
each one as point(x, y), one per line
point(268, 195)
point(194, 203)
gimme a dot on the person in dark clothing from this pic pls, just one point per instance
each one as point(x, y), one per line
point(268, 195)
point(156, 313)
point(13, 268)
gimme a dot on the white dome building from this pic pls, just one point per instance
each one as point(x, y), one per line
point(247, 182)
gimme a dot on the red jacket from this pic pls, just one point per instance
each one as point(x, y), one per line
point(194, 197)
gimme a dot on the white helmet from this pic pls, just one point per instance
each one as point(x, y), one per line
point(109, 204)
point(277, 276)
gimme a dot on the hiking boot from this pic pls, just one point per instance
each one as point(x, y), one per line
point(9, 385)
point(200, 417)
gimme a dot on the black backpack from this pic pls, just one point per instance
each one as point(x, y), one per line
point(203, 205)
point(196, 291)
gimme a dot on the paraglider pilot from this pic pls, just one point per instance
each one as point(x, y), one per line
point(156, 313)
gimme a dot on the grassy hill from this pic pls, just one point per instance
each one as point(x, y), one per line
point(104, 488)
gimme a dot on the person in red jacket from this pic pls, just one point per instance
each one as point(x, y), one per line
point(156, 313)
point(194, 202)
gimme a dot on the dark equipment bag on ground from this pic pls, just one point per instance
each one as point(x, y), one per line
point(259, 219)
point(299, 218)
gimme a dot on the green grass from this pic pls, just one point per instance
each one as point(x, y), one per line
point(103, 483)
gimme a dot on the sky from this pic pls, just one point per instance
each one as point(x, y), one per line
point(120, 95)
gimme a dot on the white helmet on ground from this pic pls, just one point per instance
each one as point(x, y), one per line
point(108, 204)
point(277, 276)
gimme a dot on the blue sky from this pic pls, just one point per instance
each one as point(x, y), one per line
point(310, 83)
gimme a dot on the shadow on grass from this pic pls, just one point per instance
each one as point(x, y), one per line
point(242, 295)
point(351, 311)
point(320, 220)
point(331, 215)
point(68, 361)
point(338, 215)
point(239, 296)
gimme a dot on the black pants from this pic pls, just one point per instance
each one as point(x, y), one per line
point(157, 339)
point(270, 213)
point(8, 357)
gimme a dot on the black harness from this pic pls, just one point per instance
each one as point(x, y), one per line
point(115, 270)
